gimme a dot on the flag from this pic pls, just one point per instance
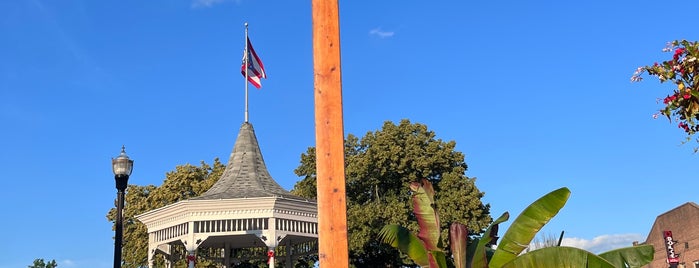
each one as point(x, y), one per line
point(256, 70)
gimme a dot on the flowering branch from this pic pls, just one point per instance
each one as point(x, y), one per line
point(683, 71)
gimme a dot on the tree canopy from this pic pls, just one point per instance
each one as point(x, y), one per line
point(40, 263)
point(379, 167)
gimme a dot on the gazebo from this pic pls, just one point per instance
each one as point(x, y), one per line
point(245, 209)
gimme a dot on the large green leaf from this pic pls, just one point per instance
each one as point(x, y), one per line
point(426, 214)
point(558, 257)
point(439, 258)
point(401, 238)
point(527, 224)
point(632, 257)
point(479, 258)
point(471, 252)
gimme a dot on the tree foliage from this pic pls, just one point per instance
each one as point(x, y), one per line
point(40, 263)
point(379, 167)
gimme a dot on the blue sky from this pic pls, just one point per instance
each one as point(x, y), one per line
point(536, 94)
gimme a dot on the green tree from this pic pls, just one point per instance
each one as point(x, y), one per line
point(39, 263)
point(378, 169)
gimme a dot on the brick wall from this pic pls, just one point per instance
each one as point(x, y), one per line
point(683, 221)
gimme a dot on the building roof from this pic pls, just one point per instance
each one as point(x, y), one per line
point(688, 204)
point(246, 174)
point(676, 218)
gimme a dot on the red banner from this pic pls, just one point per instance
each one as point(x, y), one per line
point(672, 257)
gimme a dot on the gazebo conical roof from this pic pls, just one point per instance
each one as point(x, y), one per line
point(246, 174)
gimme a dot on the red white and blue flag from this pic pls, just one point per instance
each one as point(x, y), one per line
point(255, 70)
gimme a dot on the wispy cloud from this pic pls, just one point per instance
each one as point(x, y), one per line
point(68, 263)
point(602, 243)
point(210, 3)
point(381, 33)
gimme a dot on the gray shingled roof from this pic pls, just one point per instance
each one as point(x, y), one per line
point(246, 174)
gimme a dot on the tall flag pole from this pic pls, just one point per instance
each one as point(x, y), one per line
point(252, 69)
point(245, 64)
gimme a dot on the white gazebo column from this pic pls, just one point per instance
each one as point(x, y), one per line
point(270, 254)
point(151, 252)
point(151, 249)
point(191, 244)
point(269, 237)
point(191, 258)
point(271, 241)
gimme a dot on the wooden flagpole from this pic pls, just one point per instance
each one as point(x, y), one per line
point(330, 156)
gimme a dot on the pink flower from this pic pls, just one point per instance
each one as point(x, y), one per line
point(686, 96)
point(678, 52)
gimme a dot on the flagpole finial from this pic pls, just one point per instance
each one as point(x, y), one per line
point(246, 24)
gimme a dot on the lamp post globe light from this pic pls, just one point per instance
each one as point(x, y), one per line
point(122, 167)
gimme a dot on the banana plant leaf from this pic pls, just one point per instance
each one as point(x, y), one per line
point(438, 260)
point(632, 257)
point(559, 257)
point(526, 225)
point(426, 214)
point(401, 238)
point(479, 258)
point(470, 252)
point(458, 242)
point(425, 211)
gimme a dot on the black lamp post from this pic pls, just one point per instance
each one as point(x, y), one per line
point(122, 167)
